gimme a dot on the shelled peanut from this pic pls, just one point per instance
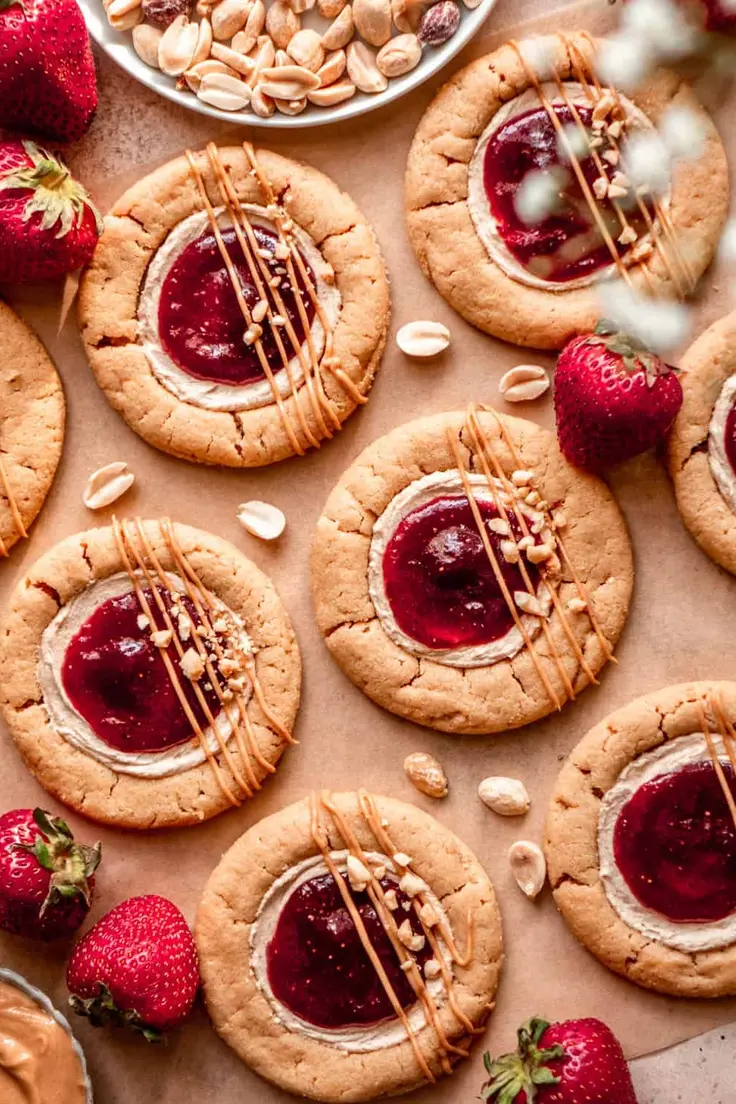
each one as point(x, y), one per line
point(255, 55)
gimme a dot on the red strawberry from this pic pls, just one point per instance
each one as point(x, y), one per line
point(573, 1062)
point(613, 398)
point(48, 223)
point(137, 967)
point(46, 879)
point(47, 72)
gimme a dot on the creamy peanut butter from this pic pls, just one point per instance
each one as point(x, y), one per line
point(38, 1060)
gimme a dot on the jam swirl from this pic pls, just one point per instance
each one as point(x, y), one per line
point(114, 676)
point(200, 324)
point(439, 581)
point(675, 845)
point(318, 967)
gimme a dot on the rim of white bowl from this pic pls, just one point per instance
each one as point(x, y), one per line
point(118, 46)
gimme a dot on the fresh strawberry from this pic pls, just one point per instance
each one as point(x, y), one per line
point(573, 1062)
point(46, 879)
point(47, 73)
point(48, 223)
point(137, 967)
point(613, 398)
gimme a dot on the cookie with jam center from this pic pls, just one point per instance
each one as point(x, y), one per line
point(345, 943)
point(236, 308)
point(152, 676)
point(702, 442)
point(518, 201)
point(641, 841)
point(466, 577)
point(32, 416)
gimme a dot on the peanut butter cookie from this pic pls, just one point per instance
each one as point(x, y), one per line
point(236, 308)
point(641, 843)
point(702, 443)
point(404, 947)
point(151, 674)
point(466, 577)
point(519, 200)
point(32, 413)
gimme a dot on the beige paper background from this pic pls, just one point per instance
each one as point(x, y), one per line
point(680, 625)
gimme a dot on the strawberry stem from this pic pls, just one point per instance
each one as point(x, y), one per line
point(102, 1011)
point(60, 200)
point(71, 864)
point(523, 1069)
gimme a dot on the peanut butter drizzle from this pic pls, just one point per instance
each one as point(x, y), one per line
point(579, 585)
point(242, 304)
point(14, 510)
point(162, 579)
point(377, 897)
point(583, 76)
point(197, 591)
point(261, 276)
point(320, 839)
point(574, 164)
point(120, 538)
point(596, 158)
point(373, 820)
point(283, 222)
point(483, 449)
point(329, 360)
point(141, 560)
point(414, 974)
point(370, 814)
point(453, 443)
point(726, 733)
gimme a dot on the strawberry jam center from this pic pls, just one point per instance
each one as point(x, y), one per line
point(201, 326)
point(567, 244)
point(675, 845)
point(439, 580)
point(730, 437)
point(115, 677)
point(318, 967)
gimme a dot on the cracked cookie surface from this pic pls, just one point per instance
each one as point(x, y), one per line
point(571, 842)
point(510, 692)
point(78, 779)
point(139, 224)
point(441, 229)
point(32, 413)
point(706, 366)
point(240, 1010)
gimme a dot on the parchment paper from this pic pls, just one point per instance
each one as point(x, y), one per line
point(680, 625)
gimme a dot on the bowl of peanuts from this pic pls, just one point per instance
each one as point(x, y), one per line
point(283, 63)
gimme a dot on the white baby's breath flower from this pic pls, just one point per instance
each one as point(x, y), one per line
point(661, 24)
point(646, 162)
point(663, 325)
point(727, 244)
point(575, 140)
point(539, 194)
point(682, 132)
point(539, 55)
point(624, 62)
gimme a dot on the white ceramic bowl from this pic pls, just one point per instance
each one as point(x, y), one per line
point(119, 46)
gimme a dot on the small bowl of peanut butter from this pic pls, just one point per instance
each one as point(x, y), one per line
point(39, 1057)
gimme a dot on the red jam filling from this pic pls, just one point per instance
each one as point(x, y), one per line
point(201, 326)
point(115, 677)
point(317, 966)
point(438, 578)
point(675, 845)
point(730, 438)
point(567, 244)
